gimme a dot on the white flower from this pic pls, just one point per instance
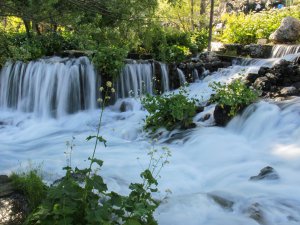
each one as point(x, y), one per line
point(109, 84)
point(101, 88)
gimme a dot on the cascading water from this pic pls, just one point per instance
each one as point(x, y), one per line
point(165, 77)
point(279, 51)
point(48, 87)
point(137, 79)
point(210, 167)
point(181, 76)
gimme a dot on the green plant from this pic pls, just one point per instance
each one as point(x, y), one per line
point(30, 183)
point(110, 60)
point(236, 95)
point(200, 39)
point(177, 53)
point(81, 197)
point(247, 29)
point(169, 111)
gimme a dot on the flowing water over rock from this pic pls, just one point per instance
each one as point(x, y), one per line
point(279, 51)
point(209, 169)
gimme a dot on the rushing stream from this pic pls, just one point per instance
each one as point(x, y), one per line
point(35, 123)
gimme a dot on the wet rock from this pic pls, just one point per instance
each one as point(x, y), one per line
point(13, 205)
point(126, 106)
point(189, 126)
point(205, 117)
point(267, 173)
point(255, 212)
point(251, 77)
point(289, 91)
point(221, 115)
point(289, 31)
point(272, 78)
point(221, 201)
point(257, 50)
point(200, 109)
point(262, 83)
point(262, 71)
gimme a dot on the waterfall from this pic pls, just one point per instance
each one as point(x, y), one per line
point(48, 87)
point(135, 79)
point(164, 77)
point(279, 51)
point(195, 75)
point(181, 77)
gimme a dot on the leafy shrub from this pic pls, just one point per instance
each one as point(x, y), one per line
point(236, 95)
point(177, 53)
point(110, 60)
point(200, 39)
point(31, 185)
point(169, 111)
point(246, 29)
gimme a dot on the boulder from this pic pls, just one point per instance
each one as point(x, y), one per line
point(221, 115)
point(266, 173)
point(13, 205)
point(221, 201)
point(289, 91)
point(288, 32)
point(262, 83)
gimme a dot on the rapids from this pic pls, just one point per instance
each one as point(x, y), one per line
point(205, 160)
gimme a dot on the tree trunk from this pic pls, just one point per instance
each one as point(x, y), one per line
point(192, 15)
point(27, 27)
point(202, 7)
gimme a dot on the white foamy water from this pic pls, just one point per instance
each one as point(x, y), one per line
point(205, 160)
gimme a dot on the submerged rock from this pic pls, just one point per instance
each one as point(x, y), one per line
point(266, 173)
point(221, 201)
point(254, 212)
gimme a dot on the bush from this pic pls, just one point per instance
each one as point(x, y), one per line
point(31, 185)
point(169, 111)
point(236, 95)
point(200, 39)
point(247, 29)
point(177, 53)
point(110, 60)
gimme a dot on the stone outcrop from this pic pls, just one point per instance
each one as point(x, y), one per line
point(221, 115)
point(252, 50)
point(288, 32)
point(266, 173)
point(13, 205)
point(282, 80)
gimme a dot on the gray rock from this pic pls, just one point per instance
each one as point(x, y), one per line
point(289, 91)
point(13, 209)
point(221, 201)
point(126, 106)
point(267, 173)
point(13, 205)
point(262, 83)
point(255, 212)
point(289, 31)
point(272, 78)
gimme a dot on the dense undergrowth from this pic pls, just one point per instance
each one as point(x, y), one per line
point(247, 29)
